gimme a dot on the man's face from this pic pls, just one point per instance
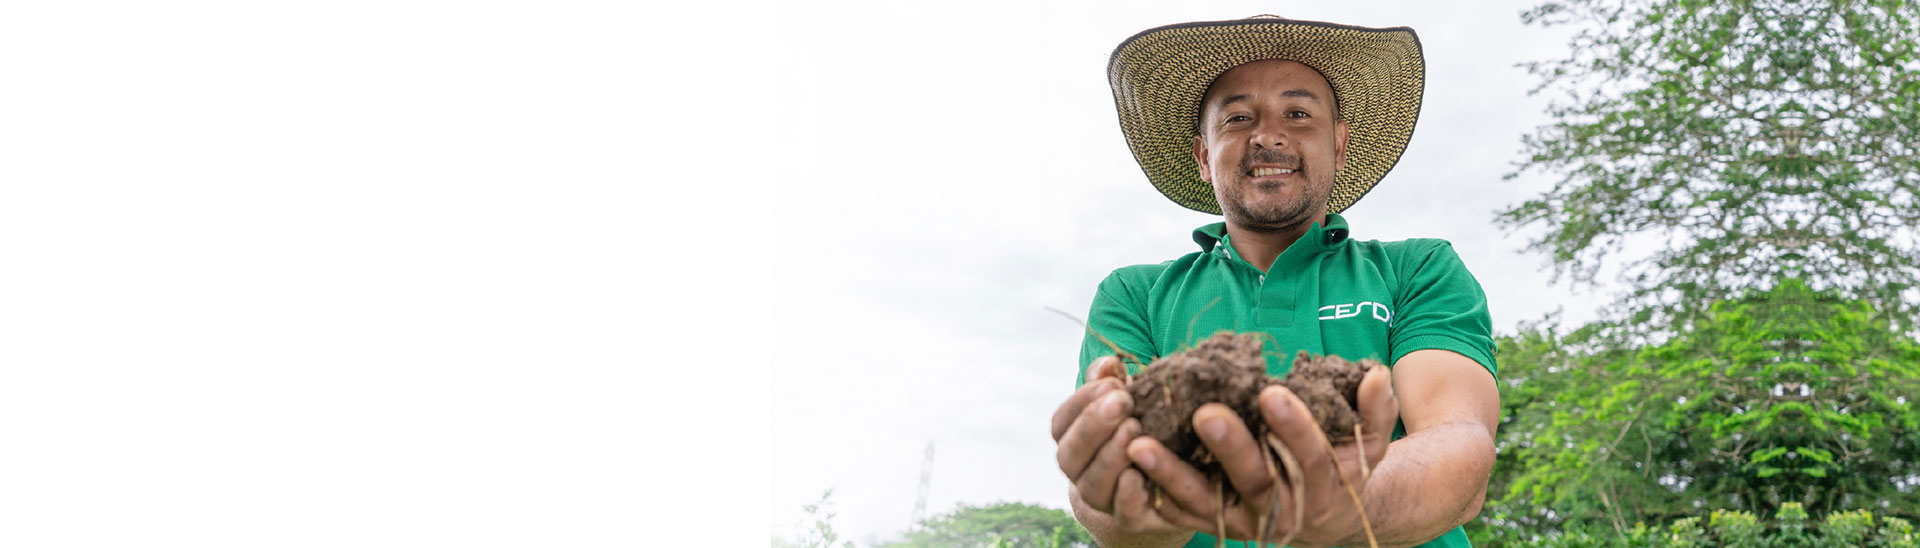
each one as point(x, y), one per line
point(1270, 145)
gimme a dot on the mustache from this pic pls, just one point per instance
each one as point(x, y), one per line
point(1269, 156)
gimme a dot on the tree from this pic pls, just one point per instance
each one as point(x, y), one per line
point(1800, 399)
point(1754, 136)
point(1764, 363)
point(1786, 397)
point(1006, 524)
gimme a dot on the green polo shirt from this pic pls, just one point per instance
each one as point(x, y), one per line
point(1325, 294)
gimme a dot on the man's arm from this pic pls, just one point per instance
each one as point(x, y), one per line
point(1435, 478)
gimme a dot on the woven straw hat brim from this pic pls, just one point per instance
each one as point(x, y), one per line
point(1160, 76)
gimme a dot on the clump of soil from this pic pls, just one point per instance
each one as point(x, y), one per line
point(1229, 368)
point(1330, 387)
point(1226, 368)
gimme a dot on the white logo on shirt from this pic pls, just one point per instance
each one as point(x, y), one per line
point(1379, 311)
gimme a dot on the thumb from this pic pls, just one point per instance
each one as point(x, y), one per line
point(1106, 366)
point(1379, 409)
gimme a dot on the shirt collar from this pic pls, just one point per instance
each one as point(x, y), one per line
point(1318, 239)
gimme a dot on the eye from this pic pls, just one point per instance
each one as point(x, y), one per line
point(1238, 118)
point(1298, 114)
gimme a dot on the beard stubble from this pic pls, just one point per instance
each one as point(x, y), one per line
point(1270, 217)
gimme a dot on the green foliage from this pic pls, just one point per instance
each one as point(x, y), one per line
point(821, 535)
point(1002, 525)
point(1845, 530)
point(1897, 534)
point(1785, 400)
point(1757, 387)
point(1789, 528)
point(1755, 137)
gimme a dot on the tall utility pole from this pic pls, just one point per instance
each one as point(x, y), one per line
point(926, 478)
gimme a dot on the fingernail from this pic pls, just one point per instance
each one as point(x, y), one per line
point(1144, 459)
point(1278, 405)
point(1111, 407)
point(1214, 429)
point(1101, 388)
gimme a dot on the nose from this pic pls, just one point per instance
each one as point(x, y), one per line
point(1268, 136)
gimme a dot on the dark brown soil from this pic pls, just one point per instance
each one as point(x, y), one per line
point(1228, 368)
point(1330, 387)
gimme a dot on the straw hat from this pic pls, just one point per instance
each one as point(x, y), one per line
point(1159, 77)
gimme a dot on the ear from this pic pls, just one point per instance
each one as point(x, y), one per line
point(1200, 157)
point(1339, 145)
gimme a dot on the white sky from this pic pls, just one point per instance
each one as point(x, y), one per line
point(566, 273)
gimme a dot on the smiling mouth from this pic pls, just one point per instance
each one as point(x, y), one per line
point(1270, 171)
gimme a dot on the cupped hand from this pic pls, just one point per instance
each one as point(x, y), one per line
point(1306, 502)
point(1092, 429)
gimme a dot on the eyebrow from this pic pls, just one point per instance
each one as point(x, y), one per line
point(1300, 93)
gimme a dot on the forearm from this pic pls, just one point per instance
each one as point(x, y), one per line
point(1429, 482)
point(1108, 533)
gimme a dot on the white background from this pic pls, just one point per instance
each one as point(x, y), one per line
point(595, 274)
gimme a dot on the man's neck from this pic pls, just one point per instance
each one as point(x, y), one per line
point(1261, 247)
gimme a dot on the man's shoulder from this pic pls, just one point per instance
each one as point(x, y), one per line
point(1401, 261)
point(1142, 271)
point(1143, 276)
point(1403, 248)
point(1408, 253)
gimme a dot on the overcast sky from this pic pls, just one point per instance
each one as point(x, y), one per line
point(581, 273)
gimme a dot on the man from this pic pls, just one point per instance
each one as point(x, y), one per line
point(1279, 125)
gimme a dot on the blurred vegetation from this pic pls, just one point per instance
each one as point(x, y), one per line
point(1791, 528)
point(1753, 138)
point(1785, 398)
point(1002, 525)
point(820, 534)
point(1756, 384)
